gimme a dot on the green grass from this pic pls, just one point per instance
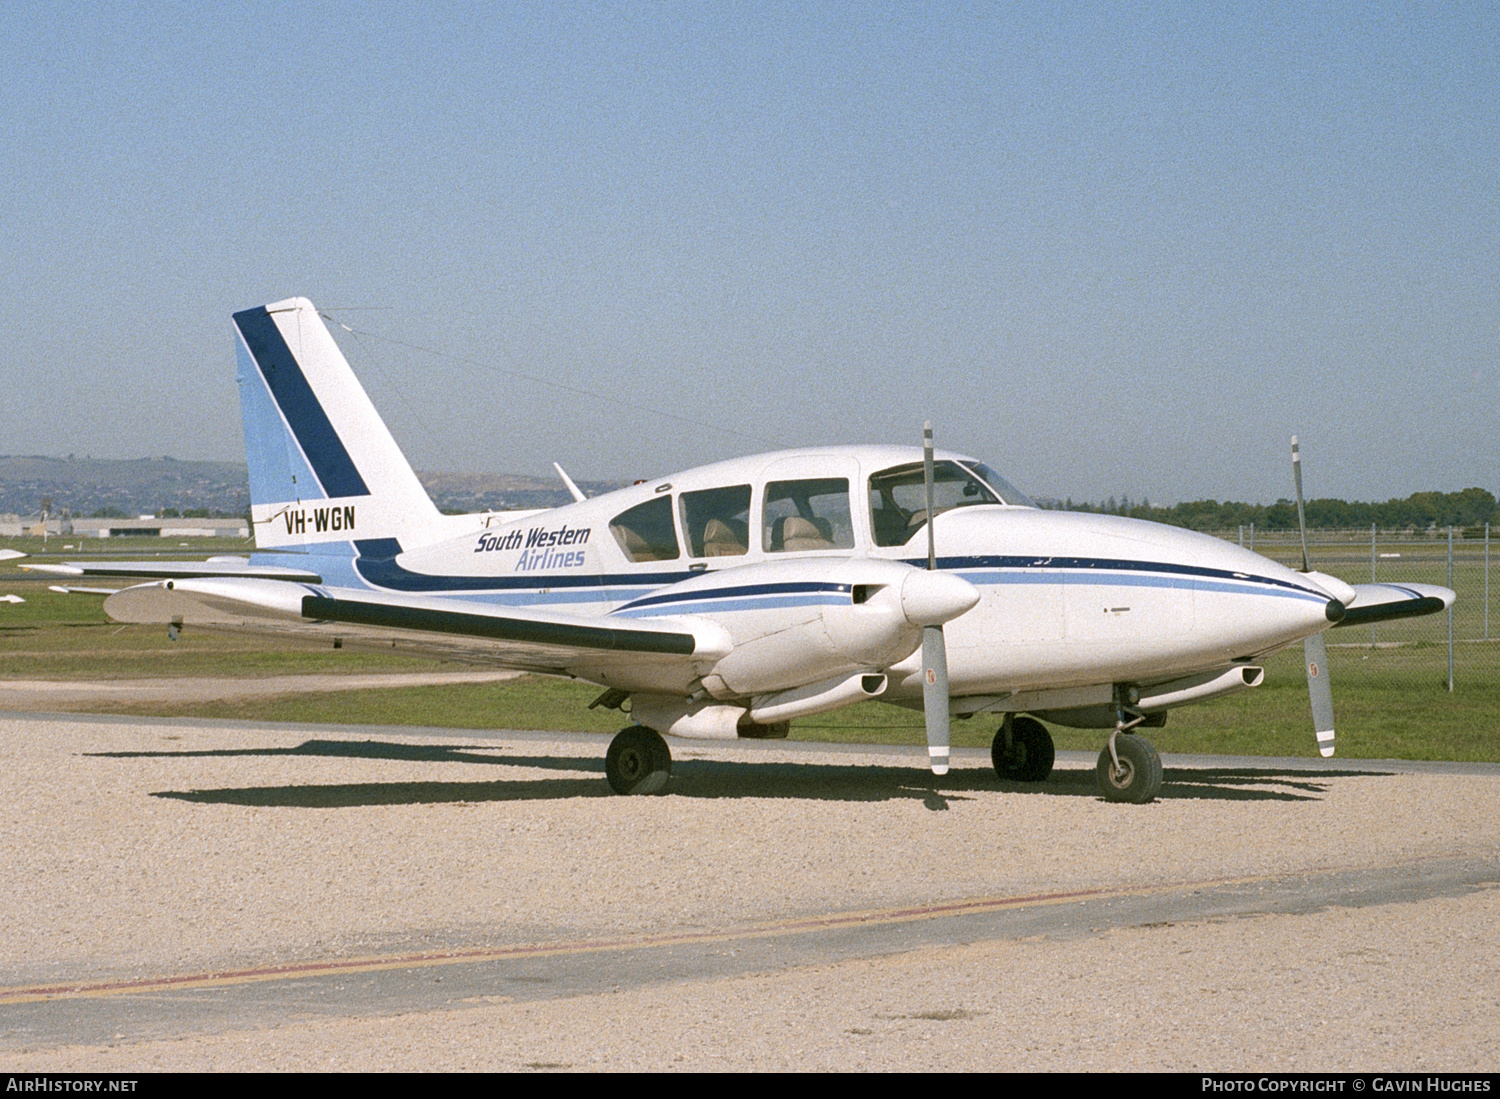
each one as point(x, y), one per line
point(531, 702)
point(55, 636)
point(1392, 704)
point(114, 549)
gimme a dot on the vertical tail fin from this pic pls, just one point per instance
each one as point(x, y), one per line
point(324, 469)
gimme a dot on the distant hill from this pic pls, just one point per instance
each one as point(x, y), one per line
point(464, 492)
point(138, 486)
point(83, 486)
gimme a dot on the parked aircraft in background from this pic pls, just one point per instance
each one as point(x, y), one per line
point(727, 601)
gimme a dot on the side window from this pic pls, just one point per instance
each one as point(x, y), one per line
point(717, 521)
point(807, 515)
point(645, 532)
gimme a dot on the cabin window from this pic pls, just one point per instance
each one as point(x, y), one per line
point(645, 532)
point(807, 515)
point(898, 498)
point(717, 521)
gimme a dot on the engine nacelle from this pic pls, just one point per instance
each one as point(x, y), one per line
point(793, 623)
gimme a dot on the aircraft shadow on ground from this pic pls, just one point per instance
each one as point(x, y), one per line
point(1248, 783)
point(363, 749)
point(709, 778)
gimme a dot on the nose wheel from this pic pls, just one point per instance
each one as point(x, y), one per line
point(638, 761)
point(1129, 769)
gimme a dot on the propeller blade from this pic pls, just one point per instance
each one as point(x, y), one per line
point(935, 696)
point(934, 648)
point(1320, 691)
point(927, 486)
point(1314, 649)
point(1301, 518)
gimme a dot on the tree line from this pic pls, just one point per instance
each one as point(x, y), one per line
point(1471, 508)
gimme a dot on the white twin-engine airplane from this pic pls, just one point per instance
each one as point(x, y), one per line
point(730, 600)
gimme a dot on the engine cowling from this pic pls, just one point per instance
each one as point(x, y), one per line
point(792, 623)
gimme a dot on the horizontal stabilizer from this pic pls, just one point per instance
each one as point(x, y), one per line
point(1385, 602)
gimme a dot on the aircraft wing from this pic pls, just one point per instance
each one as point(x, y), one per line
point(179, 570)
point(635, 653)
point(1384, 602)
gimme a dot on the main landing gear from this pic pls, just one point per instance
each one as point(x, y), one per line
point(638, 761)
point(1022, 750)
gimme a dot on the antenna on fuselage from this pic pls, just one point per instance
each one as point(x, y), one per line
point(578, 496)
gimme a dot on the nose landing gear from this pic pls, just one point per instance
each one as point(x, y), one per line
point(1129, 768)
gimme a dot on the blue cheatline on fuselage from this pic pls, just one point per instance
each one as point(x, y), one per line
point(743, 597)
point(1247, 586)
point(1013, 569)
point(376, 568)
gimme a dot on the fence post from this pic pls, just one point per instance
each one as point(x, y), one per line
point(1372, 577)
point(1450, 612)
point(1486, 581)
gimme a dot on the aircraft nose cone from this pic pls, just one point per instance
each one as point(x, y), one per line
point(932, 598)
point(1335, 611)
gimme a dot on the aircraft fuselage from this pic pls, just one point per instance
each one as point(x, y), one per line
point(1065, 600)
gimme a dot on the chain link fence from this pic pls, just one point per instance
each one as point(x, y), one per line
point(1439, 651)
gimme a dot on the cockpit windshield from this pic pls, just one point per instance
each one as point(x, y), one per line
point(1009, 493)
point(898, 496)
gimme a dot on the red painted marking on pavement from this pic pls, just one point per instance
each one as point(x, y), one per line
point(302, 970)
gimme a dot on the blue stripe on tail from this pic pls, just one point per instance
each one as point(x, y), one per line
point(309, 424)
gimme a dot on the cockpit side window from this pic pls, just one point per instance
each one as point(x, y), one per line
point(807, 515)
point(898, 498)
point(717, 521)
point(645, 532)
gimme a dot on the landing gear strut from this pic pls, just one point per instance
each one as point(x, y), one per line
point(638, 761)
point(1026, 754)
point(1129, 768)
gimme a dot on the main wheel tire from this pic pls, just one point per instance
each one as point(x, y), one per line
point(1031, 751)
point(638, 761)
point(1139, 778)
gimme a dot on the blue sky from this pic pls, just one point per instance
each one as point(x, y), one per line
point(1114, 250)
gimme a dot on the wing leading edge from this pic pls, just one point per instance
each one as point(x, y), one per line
point(1384, 602)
